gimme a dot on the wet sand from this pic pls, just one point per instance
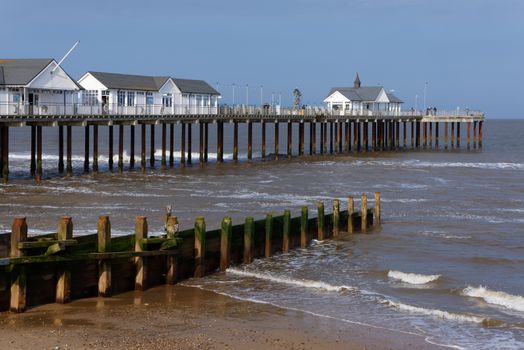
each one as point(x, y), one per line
point(187, 318)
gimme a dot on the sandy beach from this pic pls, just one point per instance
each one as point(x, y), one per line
point(187, 318)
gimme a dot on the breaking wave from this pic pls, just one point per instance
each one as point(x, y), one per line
point(412, 278)
point(509, 301)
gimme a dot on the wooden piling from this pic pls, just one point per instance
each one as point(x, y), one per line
point(132, 147)
point(365, 135)
point(110, 146)
point(152, 145)
point(347, 137)
point(86, 149)
point(201, 143)
point(171, 144)
point(480, 133)
point(324, 143)
point(320, 221)
point(183, 144)
point(69, 149)
point(474, 134)
point(445, 135)
point(189, 158)
point(39, 154)
point(263, 126)
point(60, 149)
point(430, 136)
point(63, 283)
point(104, 265)
point(235, 141)
point(249, 240)
point(469, 135)
point(226, 230)
point(163, 160)
point(120, 148)
point(206, 141)
point(286, 231)
point(32, 166)
point(397, 134)
point(458, 134)
point(249, 140)
point(436, 135)
point(359, 136)
point(452, 135)
point(301, 127)
point(304, 227)
point(336, 218)
point(425, 135)
point(340, 143)
point(376, 210)
point(330, 137)
point(269, 235)
point(322, 138)
point(172, 262)
point(336, 138)
point(276, 140)
point(314, 137)
point(289, 139)
point(18, 274)
point(141, 231)
point(351, 209)
point(95, 149)
point(363, 213)
point(404, 134)
point(417, 142)
point(143, 149)
point(412, 134)
point(200, 246)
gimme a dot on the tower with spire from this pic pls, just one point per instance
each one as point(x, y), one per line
point(356, 83)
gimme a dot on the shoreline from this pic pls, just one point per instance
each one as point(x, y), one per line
point(181, 317)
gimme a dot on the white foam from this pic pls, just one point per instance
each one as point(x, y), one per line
point(426, 164)
point(412, 278)
point(290, 281)
point(434, 312)
point(513, 302)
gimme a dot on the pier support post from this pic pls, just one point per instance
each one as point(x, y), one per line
point(110, 145)
point(458, 134)
point(376, 210)
point(152, 145)
point(347, 136)
point(320, 221)
point(351, 209)
point(359, 136)
point(336, 138)
point(301, 127)
point(249, 140)
point(206, 141)
point(330, 137)
point(304, 227)
point(18, 274)
point(412, 134)
point(39, 154)
point(404, 134)
point(235, 141)
point(340, 134)
point(183, 144)
point(397, 134)
point(190, 142)
point(363, 213)
point(69, 151)
point(63, 283)
point(120, 148)
point(249, 240)
point(277, 141)
point(104, 265)
point(172, 262)
point(417, 142)
point(132, 147)
point(201, 143)
point(171, 144)
point(263, 140)
point(425, 135)
point(469, 135)
point(446, 135)
point(286, 231)
point(452, 131)
point(289, 139)
point(95, 149)
point(336, 218)
point(436, 135)
point(163, 161)
point(60, 149)
point(373, 136)
point(269, 235)
point(314, 137)
point(474, 134)
point(226, 230)
point(325, 138)
point(86, 149)
point(366, 133)
point(480, 133)
point(430, 143)
point(33, 149)
point(322, 138)
point(141, 229)
point(220, 142)
point(200, 247)
point(143, 148)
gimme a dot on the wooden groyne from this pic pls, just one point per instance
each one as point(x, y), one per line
point(60, 267)
point(336, 135)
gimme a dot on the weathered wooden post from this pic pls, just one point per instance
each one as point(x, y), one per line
point(430, 134)
point(60, 149)
point(404, 134)
point(32, 167)
point(249, 140)
point(63, 283)
point(183, 144)
point(95, 149)
point(120, 149)
point(480, 133)
point(304, 227)
point(324, 142)
point(377, 210)
point(366, 131)
point(364, 213)
point(163, 160)
point(417, 143)
point(235, 141)
point(172, 264)
point(141, 229)
point(458, 134)
point(445, 135)
point(320, 221)
point(132, 147)
point(452, 135)
point(152, 145)
point(469, 135)
point(189, 157)
point(110, 147)
point(200, 247)
point(322, 138)
point(249, 237)
point(436, 135)
point(201, 143)
point(171, 144)
point(289, 138)
point(286, 231)
point(412, 134)
point(301, 127)
point(340, 142)
point(143, 149)
point(330, 137)
point(351, 209)
point(226, 231)
point(276, 140)
point(336, 218)
point(86, 149)
point(347, 136)
point(206, 141)
point(69, 150)
point(18, 275)
point(314, 139)
point(104, 265)
point(425, 135)
point(263, 140)
point(475, 134)
point(39, 153)
point(220, 142)
point(269, 235)
point(359, 136)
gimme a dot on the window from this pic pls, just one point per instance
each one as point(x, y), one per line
point(90, 97)
point(198, 99)
point(16, 98)
point(167, 100)
point(206, 101)
point(130, 98)
point(121, 98)
point(149, 98)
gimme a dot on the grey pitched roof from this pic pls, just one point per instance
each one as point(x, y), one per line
point(21, 71)
point(191, 86)
point(130, 82)
point(393, 98)
point(365, 93)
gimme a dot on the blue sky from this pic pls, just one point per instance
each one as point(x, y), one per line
point(470, 52)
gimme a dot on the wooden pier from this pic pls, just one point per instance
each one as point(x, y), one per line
point(60, 267)
point(369, 132)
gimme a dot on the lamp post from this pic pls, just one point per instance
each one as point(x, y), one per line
point(261, 94)
point(425, 93)
point(247, 95)
point(233, 86)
